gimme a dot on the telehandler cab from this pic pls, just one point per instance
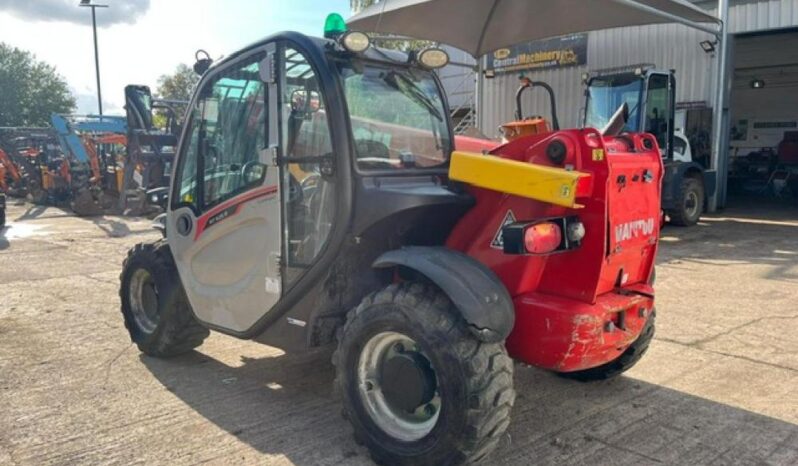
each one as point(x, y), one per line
point(316, 200)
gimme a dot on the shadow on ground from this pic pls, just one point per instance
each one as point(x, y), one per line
point(555, 421)
point(37, 211)
point(112, 228)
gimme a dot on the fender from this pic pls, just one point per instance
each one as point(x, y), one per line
point(475, 290)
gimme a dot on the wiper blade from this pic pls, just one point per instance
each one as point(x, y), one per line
point(410, 89)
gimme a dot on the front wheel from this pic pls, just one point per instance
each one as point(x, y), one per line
point(417, 386)
point(689, 203)
point(154, 305)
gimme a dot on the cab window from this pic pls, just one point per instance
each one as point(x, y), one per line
point(227, 132)
point(307, 180)
point(397, 115)
point(657, 103)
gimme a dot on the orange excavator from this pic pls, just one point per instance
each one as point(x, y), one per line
point(8, 170)
point(45, 175)
point(101, 192)
point(10, 176)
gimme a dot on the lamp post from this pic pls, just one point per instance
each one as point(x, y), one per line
point(94, 6)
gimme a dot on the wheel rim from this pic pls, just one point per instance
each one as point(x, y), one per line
point(691, 204)
point(144, 300)
point(398, 386)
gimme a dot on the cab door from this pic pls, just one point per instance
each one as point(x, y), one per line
point(224, 221)
point(659, 109)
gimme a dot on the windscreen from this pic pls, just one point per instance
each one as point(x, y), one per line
point(397, 114)
point(607, 94)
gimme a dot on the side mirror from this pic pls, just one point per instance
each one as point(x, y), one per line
point(253, 172)
point(305, 102)
point(202, 62)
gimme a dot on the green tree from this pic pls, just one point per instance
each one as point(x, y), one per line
point(30, 90)
point(176, 86)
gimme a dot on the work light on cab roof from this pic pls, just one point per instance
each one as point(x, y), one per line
point(433, 58)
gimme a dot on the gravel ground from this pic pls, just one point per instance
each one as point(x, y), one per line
point(719, 385)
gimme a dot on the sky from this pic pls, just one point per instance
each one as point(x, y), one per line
point(139, 40)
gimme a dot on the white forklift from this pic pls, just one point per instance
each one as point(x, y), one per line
point(650, 96)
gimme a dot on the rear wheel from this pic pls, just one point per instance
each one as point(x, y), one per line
point(689, 203)
point(417, 387)
point(154, 305)
point(625, 361)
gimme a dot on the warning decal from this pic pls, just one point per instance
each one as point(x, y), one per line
point(498, 238)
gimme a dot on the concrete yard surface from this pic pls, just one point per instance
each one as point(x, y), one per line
point(718, 386)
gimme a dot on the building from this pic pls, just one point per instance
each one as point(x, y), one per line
point(763, 70)
point(763, 80)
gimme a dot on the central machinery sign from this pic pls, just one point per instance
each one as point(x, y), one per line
point(558, 52)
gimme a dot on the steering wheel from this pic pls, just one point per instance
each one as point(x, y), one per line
point(310, 182)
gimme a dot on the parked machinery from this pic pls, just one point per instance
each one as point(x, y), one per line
point(11, 181)
point(100, 195)
point(116, 159)
point(150, 150)
point(85, 141)
point(9, 176)
point(650, 96)
point(45, 170)
point(317, 202)
point(8, 173)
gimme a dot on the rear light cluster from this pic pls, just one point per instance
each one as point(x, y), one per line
point(543, 237)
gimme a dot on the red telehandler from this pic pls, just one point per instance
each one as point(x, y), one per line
point(317, 201)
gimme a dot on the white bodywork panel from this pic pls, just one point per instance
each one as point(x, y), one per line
point(230, 270)
point(681, 147)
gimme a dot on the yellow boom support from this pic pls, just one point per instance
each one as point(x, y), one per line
point(547, 184)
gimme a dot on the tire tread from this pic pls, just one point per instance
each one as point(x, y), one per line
point(489, 370)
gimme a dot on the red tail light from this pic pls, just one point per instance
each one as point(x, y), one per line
point(542, 238)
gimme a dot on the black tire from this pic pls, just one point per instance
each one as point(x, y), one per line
point(623, 363)
point(170, 327)
point(689, 203)
point(2, 218)
point(474, 379)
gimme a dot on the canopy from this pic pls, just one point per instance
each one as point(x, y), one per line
point(482, 26)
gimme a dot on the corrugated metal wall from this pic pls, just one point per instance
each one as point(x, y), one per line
point(498, 102)
point(746, 16)
point(459, 81)
point(670, 46)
